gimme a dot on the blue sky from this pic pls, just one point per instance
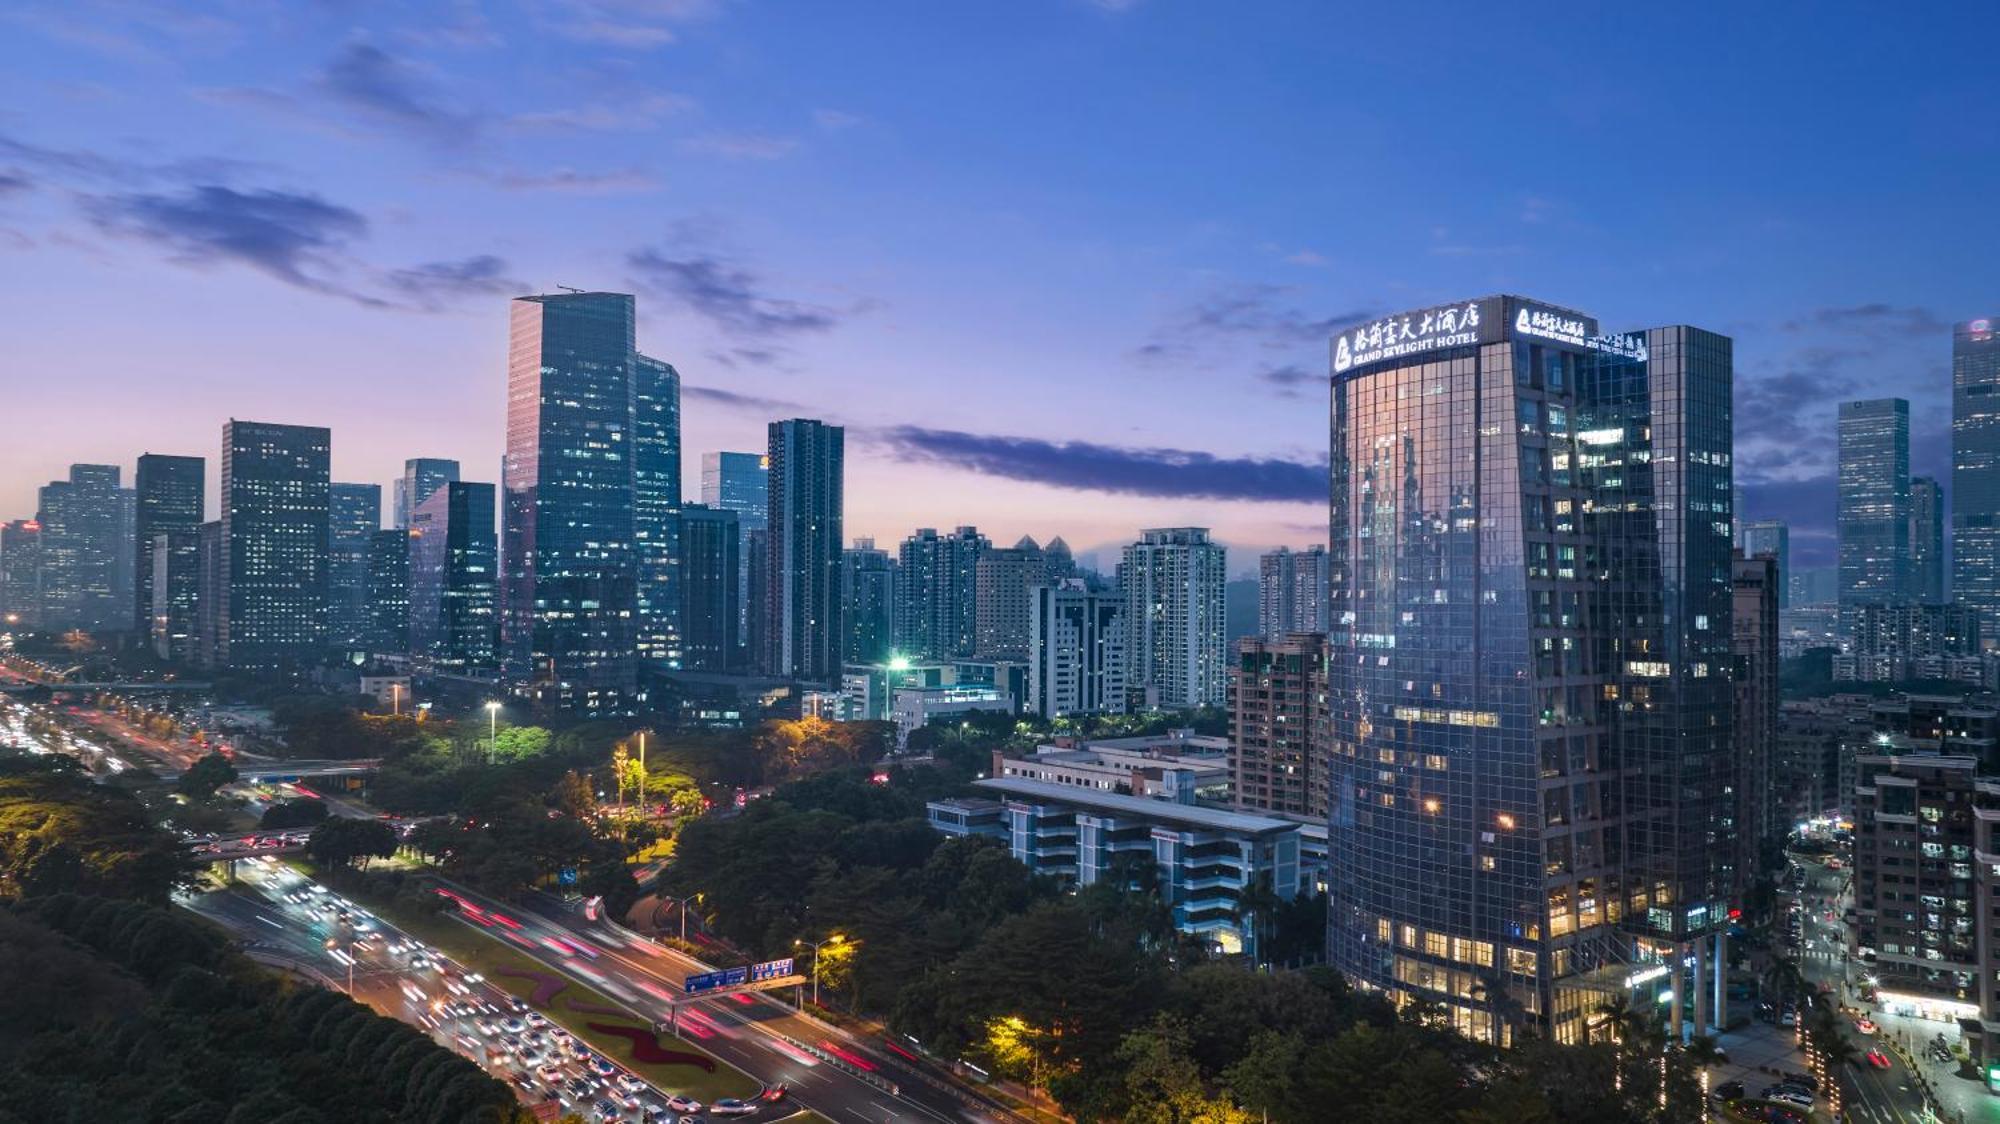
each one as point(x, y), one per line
point(1062, 267)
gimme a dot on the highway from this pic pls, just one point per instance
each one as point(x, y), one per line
point(837, 1075)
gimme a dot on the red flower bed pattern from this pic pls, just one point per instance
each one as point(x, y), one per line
point(646, 1048)
point(547, 987)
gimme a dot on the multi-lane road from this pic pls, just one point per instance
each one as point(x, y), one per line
point(841, 1076)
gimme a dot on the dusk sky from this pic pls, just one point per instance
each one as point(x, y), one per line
point(1060, 267)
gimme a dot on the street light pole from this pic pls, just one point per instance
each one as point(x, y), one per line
point(683, 903)
point(834, 939)
point(493, 732)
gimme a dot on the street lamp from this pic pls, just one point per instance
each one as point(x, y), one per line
point(682, 903)
point(835, 939)
point(493, 733)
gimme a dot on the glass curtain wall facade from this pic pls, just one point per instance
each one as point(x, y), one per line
point(1874, 515)
point(1975, 469)
point(710, 565)
point(656, 508)
point(21, 574)
point(82, 519)
point(421, 476)
point(1927, 581)
point(1530, 762)
point(568, 568)
point(171, 493)
point(741, 482)
point(389, 591)
point(804, 634)
point(354, 514)
point(452, 563)
point(275, 493)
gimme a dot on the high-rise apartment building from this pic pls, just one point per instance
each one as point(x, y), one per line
point(21, 574)
point(868, 594)
point(1172, 579)
point(1874, 514)
point(354, 514)
point(656, 508)
point(1291, 592)
point(389, 590)
point(83, 520)
point(170, 497)
point(1277, 700)
point(1530, 743)
point(1076, 651)
point(709, 580)
point(1975, 471)
point(173, 579)
point(1757, 591)
point(803, 630)
point(1771, 538)
point(275, 496)
point(1927, 580)
point(453, 564)
point(741, 482)
point(1004, 582)
point(937, 593)
point(569, 572)
point(421, 476)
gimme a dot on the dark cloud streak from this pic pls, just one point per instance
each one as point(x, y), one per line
point(1084, 466)
point(727, 295)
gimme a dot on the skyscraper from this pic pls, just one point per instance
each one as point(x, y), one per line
point(1172, 579)
point(389, 591)
point(82, 521)
point(21, 575)
point(453, 559)
point(803, 636)
point(1874, 516)
point(1076, 645)
point(173, 575)
point(755, 649)
point(1529, 728)
point(171, 493)
point(1771, 538)
point(709, 572)
point(275, 494)
point(354, 514)
point(1291, 592)
point(1004, 583)
point(656, 508)
point(211, 591)
point(1754, 642)
point(937, 605)
point(741, 482)
point(1975, 471)
point(568, 568)
point(1277, 696)
point(421, 476)
point(1926, 541)
point(868, 598)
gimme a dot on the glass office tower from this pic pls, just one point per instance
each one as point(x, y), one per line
point(1771, 538)
point(1927, 583)
point(354, 514)
point(741, 482)
point(656, 507)
point(275, 490)
point(1975, 471)
point(568, 570)
point(82, 522)
point(389, 592)
point(1874, 514)
point(1529, 744)
point(803, 631)
point(452, 563)
point(709, 573)
point(170, 497)
point(421, 476)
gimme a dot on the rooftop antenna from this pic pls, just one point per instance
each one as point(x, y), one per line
point(568, 289)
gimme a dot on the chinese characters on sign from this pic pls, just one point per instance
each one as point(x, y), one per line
point(1543, 323)
point(1407, 334)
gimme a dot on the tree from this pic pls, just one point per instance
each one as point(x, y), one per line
point(573, 797)
point(205, 776)
point(343, 842)
point(303, 812)
point(518, 743)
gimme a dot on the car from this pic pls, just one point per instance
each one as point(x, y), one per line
point(630, 1083)
point(602, 1066)
point(1865, 1026)
point(683, 1104)
point(730, 1106)
point(1729, 1091)
point(605, 1110)
point(515, 1026)
point(1804, 1081)
point(1790, 1096)
point(1878, 1059)
point(1788, 1017)
point(550, 1073)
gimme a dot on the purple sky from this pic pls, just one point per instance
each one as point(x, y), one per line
point(1062, 267)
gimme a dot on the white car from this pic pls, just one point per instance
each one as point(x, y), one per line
point(630, 1083)
point(730, 1106)
point(683, 1104)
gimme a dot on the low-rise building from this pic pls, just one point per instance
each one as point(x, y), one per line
point(913, 708)
point(1184, 769)
point(969, 815)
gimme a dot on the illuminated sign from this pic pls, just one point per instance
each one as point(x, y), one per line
point(1409, 333)
point(1548, 324)
point(1647, 975)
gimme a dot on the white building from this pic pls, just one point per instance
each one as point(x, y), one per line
point(1076, 645)
point(1173, 580)
point(913, 708)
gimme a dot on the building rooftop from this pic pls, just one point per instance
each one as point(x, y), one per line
point(1212, 819)
point(969, 804)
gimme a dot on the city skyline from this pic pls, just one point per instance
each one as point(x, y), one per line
point(351, 206)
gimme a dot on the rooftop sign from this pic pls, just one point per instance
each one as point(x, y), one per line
point(1413, 333)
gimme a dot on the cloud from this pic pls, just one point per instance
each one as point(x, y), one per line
point(740, 146)
point(628, 115)
point(1084, 466)
point(834, 120)
point(1872, 319)
point(295, 238)
point(634, 25)
point(1289, 378)
point(434, 284)
point(1263, 315)
point(750, 403)
point(726, 294)
point(13, 181)
point(571, 181)
point(376, 84)
point(1305, 257)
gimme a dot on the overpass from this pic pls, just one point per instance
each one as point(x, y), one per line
point(267, 771)
point(23, 687)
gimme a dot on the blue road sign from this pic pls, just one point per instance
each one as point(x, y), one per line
point(709, 981)
point(771, 969)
